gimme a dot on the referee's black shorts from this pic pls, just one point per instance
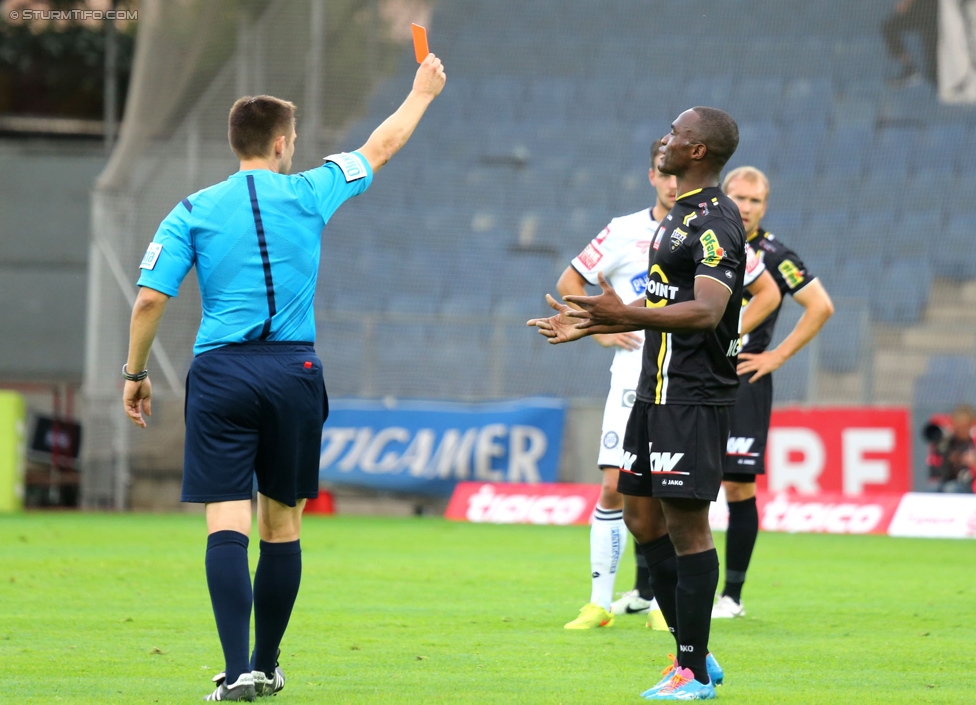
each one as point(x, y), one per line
point(746, 452)
point(674, 450)
point(254, 410)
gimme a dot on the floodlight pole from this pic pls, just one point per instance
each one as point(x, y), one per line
point(312, 108)
point(111, 87)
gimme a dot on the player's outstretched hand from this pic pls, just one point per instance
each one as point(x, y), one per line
point(559, 328)
point(430, 78)
point(605, 309)
point(761, 363)
point(137, 400)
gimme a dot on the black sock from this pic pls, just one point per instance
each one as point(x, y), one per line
point(642, 581)
point(697, 580)
point(740, 539)
point(276, 582)
point(229, 582)
point(663, 570)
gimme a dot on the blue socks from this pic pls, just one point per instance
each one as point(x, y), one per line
point(276, 584)
point(230, 594)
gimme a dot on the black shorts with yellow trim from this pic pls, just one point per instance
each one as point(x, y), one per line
point(746, 451)
point(674, 450)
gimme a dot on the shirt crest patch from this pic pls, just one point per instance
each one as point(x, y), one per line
point(677, 238)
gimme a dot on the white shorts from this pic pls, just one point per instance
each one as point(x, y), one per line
point(620, 401)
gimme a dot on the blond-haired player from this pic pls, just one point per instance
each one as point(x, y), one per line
point(748, 187)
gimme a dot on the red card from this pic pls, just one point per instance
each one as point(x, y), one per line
point(420, 49)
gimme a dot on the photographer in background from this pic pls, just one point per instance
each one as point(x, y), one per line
point(952, 453)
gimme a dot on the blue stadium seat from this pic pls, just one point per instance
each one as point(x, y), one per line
point(791, 381)
point(841, 341)
point(913, 232)
point(902, 292)
point(855, 111)
point(856, 85)
point(799, 148)
point(853, 277)
point(835, 192)
point(845, 149)
point(807, 98)
point(755, 98)
point(552, 97)
point(791, 192)
point(956, 239)
point(707, 90)
point(889, 154)
point(869, 234)
point(951, 365)
point(881, 190)
point(788, 222)
point(940, 392)
point(825, 240)
point(906, 105)
point(940, 147)
point(341, 346)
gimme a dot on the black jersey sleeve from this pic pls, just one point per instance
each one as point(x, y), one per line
point(718, 253)
point(789, 271)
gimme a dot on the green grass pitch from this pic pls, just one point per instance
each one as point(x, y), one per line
point(114, 608)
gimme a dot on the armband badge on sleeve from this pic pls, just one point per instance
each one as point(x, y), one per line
point(351, 166)
point(151, 257)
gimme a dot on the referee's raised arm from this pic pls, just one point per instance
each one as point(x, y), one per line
point(393, 133)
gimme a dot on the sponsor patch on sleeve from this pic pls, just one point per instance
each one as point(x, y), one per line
point(351, 166)
point(659, 235)
point(792, 275)
point(151, 257)
point(590, 257)
point(754, 266)
point(713, 251)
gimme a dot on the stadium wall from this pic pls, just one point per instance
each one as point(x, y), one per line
point(45, 187)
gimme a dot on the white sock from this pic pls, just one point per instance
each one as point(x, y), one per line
point(607, 536)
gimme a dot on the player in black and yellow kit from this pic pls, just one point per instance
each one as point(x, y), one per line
point(746, 451)
point(674, 447)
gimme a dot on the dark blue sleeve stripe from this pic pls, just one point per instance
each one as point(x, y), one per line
point(265, 261)
point(186, 202)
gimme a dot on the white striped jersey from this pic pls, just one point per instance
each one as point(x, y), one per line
point(620, 252)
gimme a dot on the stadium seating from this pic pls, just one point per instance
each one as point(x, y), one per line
point(542, 135)
point(841, 342)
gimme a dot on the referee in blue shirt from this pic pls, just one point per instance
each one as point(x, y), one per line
point(255, 396)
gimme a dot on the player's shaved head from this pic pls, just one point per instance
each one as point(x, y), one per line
point(718, 132)
point(255, 122)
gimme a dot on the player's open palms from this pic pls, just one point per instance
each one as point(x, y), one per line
point(559, 328)
point(605, 309)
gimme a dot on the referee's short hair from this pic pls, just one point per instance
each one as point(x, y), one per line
point(718, 132)
point(256, 121)
point(749, 173)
